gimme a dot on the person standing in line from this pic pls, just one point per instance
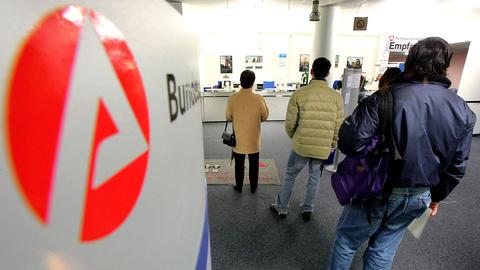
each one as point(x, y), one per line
point(314, 115)
point(246, 110)
point(432, 131)
point(388, 76)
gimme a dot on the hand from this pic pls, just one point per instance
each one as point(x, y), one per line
point(434, 207)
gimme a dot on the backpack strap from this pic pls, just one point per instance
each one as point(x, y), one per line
point(385, 114)
point(385, 128)
point(386, 125)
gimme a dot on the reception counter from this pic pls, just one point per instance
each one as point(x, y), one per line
point(214, 104)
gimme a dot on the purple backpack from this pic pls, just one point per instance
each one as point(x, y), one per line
point(360, 177)
point(365, 174)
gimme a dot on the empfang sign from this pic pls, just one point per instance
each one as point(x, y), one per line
point(403, 45)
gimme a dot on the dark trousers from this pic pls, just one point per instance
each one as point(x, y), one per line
point(252, 170)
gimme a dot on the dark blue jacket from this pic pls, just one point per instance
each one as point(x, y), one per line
point(432, 129)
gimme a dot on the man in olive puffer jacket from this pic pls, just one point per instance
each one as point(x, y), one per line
point(314, 115)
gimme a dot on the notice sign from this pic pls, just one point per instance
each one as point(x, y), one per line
point(360, 23)
point(397, 44)
point(282, 59)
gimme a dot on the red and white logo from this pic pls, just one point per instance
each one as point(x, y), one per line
point(63, 115)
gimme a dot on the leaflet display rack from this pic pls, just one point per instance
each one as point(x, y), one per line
point(351, 87)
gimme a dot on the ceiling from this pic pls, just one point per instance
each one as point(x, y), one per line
point(276, 2)
point(474, 5)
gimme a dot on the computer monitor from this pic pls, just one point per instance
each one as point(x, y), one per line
point(259, 86)
point(268, 84)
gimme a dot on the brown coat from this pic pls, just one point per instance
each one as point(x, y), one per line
point(247, 110)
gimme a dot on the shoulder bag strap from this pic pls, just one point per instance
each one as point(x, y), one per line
point(233, 127)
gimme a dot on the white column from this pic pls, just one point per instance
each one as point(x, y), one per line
point(324, 34)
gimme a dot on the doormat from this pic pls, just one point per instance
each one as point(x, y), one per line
point(220, 172)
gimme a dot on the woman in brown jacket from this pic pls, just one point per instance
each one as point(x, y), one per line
point(246, 110)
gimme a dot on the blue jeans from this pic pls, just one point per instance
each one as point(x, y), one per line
point(294, 166)
point(389, 219)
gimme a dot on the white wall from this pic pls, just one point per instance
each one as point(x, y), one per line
point(242, 29)
point(471, 72)
point(267, 45)
point(270, 45)
point(352, 45)
point(456, 67)
point(456, 21)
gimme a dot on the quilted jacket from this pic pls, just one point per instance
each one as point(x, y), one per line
point(314, 115)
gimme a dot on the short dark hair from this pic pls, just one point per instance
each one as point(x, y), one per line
point(429, 58)
point(247, 78)
point(321, 67)
point(388, 76)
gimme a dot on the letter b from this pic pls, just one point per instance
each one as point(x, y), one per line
point(171, 85)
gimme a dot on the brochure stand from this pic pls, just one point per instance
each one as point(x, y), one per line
point(351, 87)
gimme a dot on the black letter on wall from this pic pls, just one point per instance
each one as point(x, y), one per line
point(181, 97)
point(171, 84)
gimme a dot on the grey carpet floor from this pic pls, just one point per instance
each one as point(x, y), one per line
point(245, 235)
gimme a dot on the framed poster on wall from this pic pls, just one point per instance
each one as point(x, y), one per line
point(226, 64)
point(354, 62)
point(253, 59)
point(304, 62)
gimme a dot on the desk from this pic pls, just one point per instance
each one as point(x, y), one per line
point(214, 105)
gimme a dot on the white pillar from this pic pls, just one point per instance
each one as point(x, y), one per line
point(324, 34)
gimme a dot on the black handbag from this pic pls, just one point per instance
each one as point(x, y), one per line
point(227, 137)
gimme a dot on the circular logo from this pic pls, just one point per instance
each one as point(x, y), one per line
point(37, 100)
